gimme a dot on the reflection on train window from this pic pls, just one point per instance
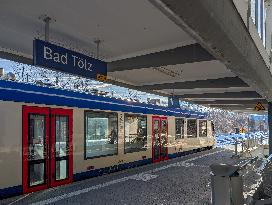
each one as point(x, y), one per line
point(191, 128)
point(36, 149)
point(61, 147)
point(202, 128)
point(101, 134)
point(36, 137)
point(135, 133)
point(179, 128)
point(61, 136)
point(36, 175)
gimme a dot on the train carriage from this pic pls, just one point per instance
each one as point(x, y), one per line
point(51, 137)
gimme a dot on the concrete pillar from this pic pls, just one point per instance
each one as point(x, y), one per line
point(173, 102)
point(226, 184)
point(268, 25)
point(270, 126)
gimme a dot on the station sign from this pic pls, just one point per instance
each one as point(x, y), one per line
point(51, 56)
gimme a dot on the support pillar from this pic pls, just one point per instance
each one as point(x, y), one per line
point(270, 126)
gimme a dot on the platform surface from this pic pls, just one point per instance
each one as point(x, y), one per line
point(183, 180)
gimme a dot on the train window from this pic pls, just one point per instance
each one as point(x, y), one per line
point(135, 133)
point(202, 128)
point(101, 134)
point(179, 128)
point(191, 128)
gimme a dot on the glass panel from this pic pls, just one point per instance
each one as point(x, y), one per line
point(135, 133)
point(258, 15)
point(61, 132)
point(36, 138)
point(253, 13)
point(164, 138)
point(191, 128)
point(179, 128)
point(61, 169)
point(202, 128)
point(156, 147)
point(36, 174)
point(101, 134)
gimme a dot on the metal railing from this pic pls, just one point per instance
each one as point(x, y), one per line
point(247, 145)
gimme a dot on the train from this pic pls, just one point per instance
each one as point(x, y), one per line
point(51, 137)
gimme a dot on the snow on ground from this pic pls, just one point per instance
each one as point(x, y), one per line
point(230, 139)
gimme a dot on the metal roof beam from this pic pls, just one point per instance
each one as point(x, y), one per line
point(16, 58)
point(242, 94)
point(230, 102)
point(180, 55)
point(226, 82)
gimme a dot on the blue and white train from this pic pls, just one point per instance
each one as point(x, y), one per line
point(51, 137)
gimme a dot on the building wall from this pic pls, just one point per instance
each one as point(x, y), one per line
point(242, 8)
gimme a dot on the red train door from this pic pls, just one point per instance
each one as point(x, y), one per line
point(35, 148)
point(47, 156)
point(61, 155)
point(159, 138)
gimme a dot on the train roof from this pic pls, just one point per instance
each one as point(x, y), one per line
point(29, 93)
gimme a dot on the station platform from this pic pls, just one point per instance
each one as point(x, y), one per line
point(183, 180)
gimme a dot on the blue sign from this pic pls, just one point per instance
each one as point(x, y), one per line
point(173, 102)
point(58, 58)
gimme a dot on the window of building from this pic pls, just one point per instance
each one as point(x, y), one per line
point(191, 128)
point(135, 133)
point(258, 15)
point(179, 128)
point(202, 128)
point(253, 10)
point(101, 134)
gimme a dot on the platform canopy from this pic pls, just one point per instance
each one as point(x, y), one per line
point(144, 45)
